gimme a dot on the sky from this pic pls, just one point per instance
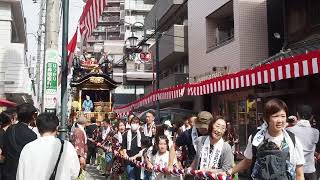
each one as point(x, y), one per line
point(31, 12)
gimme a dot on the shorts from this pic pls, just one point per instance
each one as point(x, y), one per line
point(109, 158)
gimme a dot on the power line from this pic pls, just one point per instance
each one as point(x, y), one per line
point(158, 30)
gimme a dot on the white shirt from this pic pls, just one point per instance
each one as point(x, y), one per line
point(298, 153)
point(308, 137)
point(163, 161)
point(35, 130)
point(38, 158)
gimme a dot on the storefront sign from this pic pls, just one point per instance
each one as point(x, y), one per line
point(216, 72)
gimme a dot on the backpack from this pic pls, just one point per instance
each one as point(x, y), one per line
point(269, 162)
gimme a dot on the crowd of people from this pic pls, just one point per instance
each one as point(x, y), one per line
point(282, 148)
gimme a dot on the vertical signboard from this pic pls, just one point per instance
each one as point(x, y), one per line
point(51, 79)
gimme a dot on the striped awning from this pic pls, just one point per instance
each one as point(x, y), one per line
point(287, 68)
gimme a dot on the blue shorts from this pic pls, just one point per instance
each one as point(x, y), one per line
point(109, 158)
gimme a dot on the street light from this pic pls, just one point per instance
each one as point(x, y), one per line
point(145, 47)
point(133, 41)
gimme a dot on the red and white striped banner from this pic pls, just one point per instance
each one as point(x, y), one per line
point(293, 67)
point(90, 16)
point(162, 94)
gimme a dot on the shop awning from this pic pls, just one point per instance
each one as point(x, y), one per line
point(287, 68)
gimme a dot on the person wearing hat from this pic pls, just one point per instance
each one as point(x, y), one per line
point(188, 138)
point(79, 140)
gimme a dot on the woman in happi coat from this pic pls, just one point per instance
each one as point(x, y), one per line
point(213, 153)
point(79, 141)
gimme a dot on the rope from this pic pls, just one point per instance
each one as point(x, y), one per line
point(175, 171)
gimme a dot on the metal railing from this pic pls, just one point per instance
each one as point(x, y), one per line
point(171, 80)
point(111, 19)
point(221, 42)
point(113, 9)
point(113, 29)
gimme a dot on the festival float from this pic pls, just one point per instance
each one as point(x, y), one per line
point(92, 87)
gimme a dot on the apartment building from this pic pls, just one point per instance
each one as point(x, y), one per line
point(170, 18)
point(130, 70)
point(108, 31)
point(15, 74)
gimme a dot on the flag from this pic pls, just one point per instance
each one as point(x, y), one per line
point(90, 15)
point(71, 47)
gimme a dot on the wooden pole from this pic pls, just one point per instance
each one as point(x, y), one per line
point(110, 100)
point(80, 103)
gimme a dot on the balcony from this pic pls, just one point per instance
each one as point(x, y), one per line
point(169, 81)
point(173, 80)
point(100, 30)
point(174, 45)
point(111, 9)
point(133, 19)
point(94, 39)
point(139, 72)
point(161, 11)
point(109, 19)
point(115, 1)
point(113, 29)
point(90, 49)
point(115, 37)
point(149, 2)
point(132, 5)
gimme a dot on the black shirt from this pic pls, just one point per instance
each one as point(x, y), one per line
point(89, 131)
point(185, 139)
point(15, 138)
point(134, 144)
point(1, 137)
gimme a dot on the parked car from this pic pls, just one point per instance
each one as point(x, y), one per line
point(174, 115)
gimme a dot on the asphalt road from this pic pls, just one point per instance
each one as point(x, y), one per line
point(93, 173)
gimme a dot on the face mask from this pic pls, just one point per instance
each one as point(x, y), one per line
point(135, 127)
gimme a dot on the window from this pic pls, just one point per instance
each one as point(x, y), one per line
point(220, 26)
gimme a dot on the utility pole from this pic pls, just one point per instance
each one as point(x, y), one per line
point(39, 49)
point(50, 65)
point(157, 70)
point(64, 95)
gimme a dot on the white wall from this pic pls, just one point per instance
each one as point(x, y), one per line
point(13, 69)
point(5, 22)
point(14, 76)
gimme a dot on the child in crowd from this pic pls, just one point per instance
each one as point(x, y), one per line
point(160, 158)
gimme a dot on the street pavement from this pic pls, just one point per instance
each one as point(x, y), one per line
point(93, 173)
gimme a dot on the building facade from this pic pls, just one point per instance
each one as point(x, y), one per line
point(15, 71)
point(132, 72)
point(117, 23)
point(170, 19)
point(225, 36)
point(228, 36)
